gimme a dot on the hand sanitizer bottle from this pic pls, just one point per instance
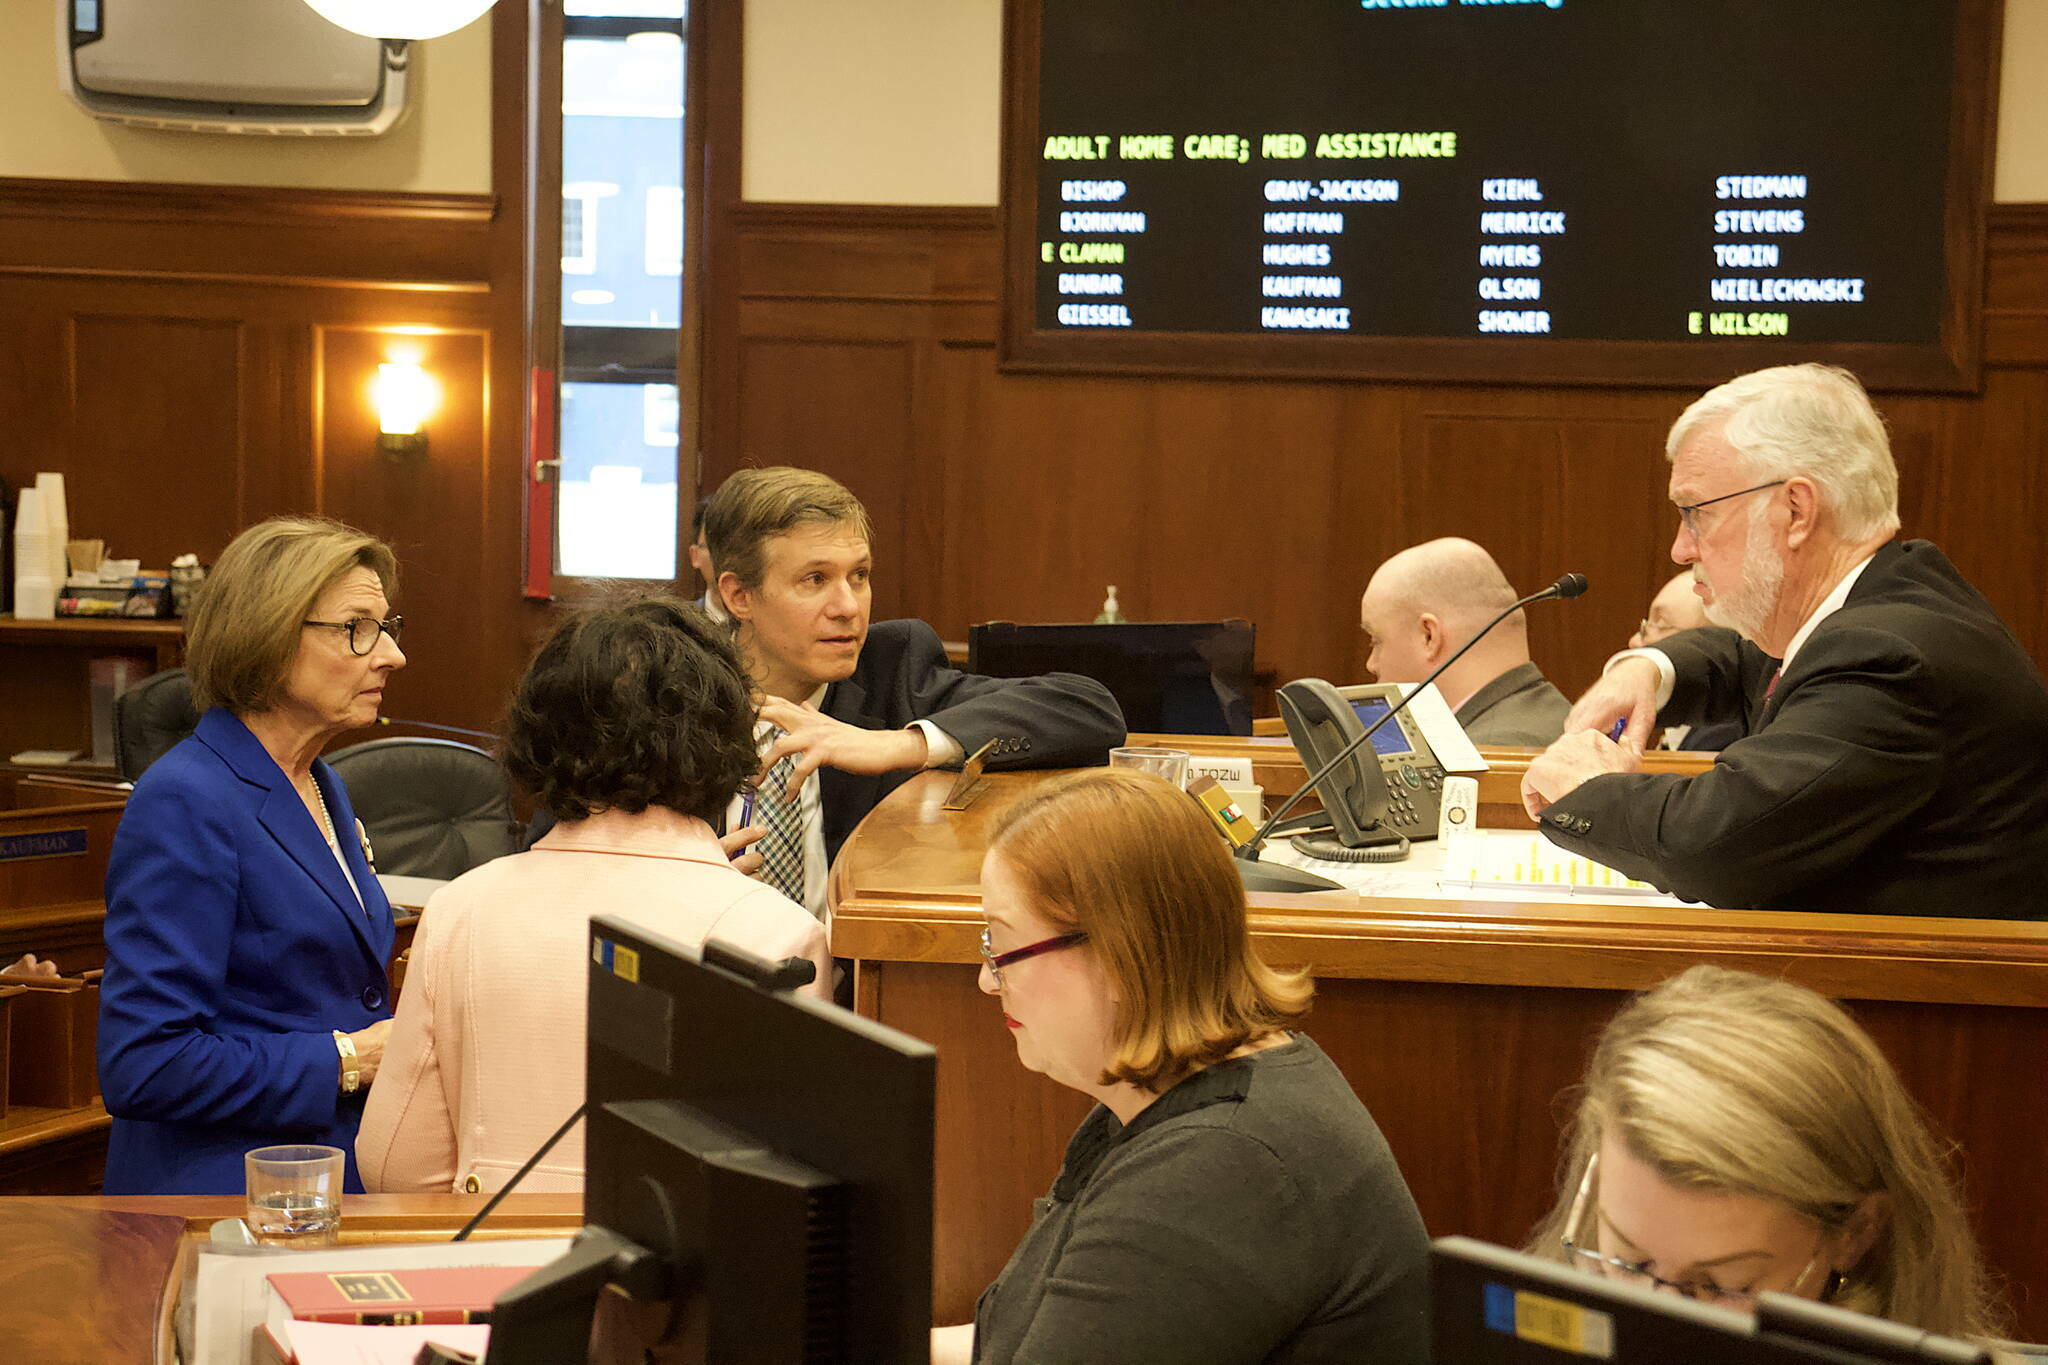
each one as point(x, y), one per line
point(1111, 614)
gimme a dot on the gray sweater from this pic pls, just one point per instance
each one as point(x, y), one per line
point(1251, 1213)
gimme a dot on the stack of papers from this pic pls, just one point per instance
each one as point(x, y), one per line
point(1529, 862)
point(330, 1343)
point(229, 1291)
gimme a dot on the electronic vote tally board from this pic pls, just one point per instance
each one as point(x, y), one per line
point(1649, 191)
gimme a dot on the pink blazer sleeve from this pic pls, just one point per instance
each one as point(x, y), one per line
point(767, 923)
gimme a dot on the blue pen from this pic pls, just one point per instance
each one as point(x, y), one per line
point(746, 805)
point(1619, 726)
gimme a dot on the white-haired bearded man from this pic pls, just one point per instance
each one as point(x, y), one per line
point(1897, 755)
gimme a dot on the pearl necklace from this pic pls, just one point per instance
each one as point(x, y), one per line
point(326, 820)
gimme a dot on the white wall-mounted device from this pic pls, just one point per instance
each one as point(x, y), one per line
point(268, 67)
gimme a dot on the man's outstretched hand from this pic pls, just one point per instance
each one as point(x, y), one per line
point(819, 741)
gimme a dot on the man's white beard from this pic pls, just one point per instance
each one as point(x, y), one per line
point(1763, 573)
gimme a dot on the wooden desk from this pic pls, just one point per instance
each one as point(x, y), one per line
point(91, 1281)
point(1461, 1024)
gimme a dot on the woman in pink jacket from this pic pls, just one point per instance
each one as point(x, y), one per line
point(634, 727)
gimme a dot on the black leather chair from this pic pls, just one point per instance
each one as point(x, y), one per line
point(433, 808)
point(149, 718)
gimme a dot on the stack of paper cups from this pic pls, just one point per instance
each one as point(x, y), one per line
point(35, 590)
point(57, 518)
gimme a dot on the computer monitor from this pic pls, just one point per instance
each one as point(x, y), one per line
point(1170, 677)
point(1492, 1306)
point(760, 1160)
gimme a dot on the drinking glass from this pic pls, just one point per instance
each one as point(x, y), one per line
point(1171, 764)
point(294, 1195)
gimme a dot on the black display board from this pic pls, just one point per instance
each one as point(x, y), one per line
point(1600, 191)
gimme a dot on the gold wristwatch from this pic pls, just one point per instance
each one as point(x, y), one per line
point(351, 1071)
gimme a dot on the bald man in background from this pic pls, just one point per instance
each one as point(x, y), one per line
point(1676, 607)
point(1428, 600)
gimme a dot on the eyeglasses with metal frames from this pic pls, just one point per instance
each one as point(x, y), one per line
point(1639, 1272)
point(362, 631)
point(997, 961)
point(1689, 513)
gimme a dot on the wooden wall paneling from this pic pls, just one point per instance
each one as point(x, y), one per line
point(1048, 478)
point(155, 401)
point(240, 232)
point(843, 407)
point(1524, 484)
point(1486, 1167)
point(1249, 511)
point(186, 389)
point(1050, 501)
point(431, 508)
point(1985, 1133)
point(1971, 481)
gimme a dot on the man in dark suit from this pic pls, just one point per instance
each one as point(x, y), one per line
point(1422, 604)
point(864, 708)
point(1897, 755)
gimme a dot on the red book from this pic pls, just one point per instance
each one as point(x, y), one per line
point(399, 1298)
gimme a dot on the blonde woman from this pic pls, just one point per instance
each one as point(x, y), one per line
point(1739, 1134)
point(247, 937)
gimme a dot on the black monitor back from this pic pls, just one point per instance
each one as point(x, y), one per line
point(802, 1083)
point(1492, 1306)
point(1170, 677)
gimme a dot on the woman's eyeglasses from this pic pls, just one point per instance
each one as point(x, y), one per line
point(997, 961)
point(362, 631)
point(1577, 1236)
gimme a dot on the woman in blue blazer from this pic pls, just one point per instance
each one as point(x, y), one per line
point(247, 938)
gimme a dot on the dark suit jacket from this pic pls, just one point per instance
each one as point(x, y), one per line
point(234, 950)
point(1518, 707)
point(1900, 767)
point(1059, 720)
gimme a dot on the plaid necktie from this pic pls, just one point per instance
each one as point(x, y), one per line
point(782, 847)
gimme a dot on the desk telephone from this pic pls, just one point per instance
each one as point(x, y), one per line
point(1387, 792)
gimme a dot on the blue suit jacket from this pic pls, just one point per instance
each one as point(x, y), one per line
point(234, 950)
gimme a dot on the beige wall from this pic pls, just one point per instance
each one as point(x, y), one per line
point(856, 101)
point(896, 101)
point(2023, 106)
point(444, 143)
point(872, 101)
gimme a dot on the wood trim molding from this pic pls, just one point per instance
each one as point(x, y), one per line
point(2027, 218)
point(145, 201)
point(45, 272)
point(763, 215)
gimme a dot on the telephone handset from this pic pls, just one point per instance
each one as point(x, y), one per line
point(1392, 787)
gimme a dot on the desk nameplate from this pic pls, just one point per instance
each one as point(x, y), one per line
point(48, 843)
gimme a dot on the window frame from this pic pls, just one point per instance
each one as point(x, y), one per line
point(548, 29)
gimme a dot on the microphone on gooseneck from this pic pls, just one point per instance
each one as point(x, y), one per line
point(1569, 585)
point(429, 725)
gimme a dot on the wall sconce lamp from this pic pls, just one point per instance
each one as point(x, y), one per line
point(405, 395)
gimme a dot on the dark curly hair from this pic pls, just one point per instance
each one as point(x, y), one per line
point(630, 706)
